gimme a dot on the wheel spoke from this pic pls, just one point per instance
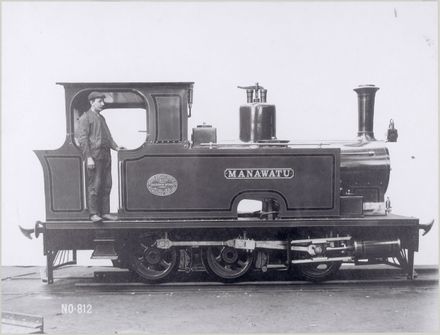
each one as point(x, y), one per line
point(241, 263)
point(164, 263)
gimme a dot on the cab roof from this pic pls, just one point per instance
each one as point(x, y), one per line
point(121, 84)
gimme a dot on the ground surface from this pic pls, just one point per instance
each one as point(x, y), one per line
point(77, 304)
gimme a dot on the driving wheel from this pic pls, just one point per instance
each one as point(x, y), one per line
point(151, 263)
point(226, 263)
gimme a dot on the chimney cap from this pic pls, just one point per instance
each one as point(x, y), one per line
point(366, 88)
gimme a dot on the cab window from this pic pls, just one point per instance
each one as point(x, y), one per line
point(125, 114)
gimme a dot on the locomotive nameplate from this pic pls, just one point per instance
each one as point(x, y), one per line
point(162, 184)
point(259, 173)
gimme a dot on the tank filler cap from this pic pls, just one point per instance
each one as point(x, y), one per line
point(260, 93)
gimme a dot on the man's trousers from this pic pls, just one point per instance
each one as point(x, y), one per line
point(99, 186)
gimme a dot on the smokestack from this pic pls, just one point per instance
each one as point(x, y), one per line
point(366, 94)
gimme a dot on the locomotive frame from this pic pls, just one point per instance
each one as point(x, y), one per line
point(310, 226)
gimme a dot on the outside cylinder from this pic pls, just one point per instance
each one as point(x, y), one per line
point(257, 122)
point(366, 95)
point(368, 249)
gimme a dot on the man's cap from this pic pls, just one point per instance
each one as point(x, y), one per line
point(96, 95)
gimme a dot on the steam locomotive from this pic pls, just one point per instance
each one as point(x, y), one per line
point(321, 204)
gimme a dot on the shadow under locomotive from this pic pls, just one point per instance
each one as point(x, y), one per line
point(322, 203)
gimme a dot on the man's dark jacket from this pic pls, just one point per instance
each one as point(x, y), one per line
point(94, 136)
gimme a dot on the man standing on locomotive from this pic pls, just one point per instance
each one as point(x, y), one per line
point(96, 141)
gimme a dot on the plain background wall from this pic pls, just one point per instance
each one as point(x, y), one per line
point(308, 55)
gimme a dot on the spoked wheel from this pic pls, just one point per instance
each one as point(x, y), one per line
point(151, 263)
point(226, 263)
point(318, 272)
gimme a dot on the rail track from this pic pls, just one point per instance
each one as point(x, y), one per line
point(122, 281)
